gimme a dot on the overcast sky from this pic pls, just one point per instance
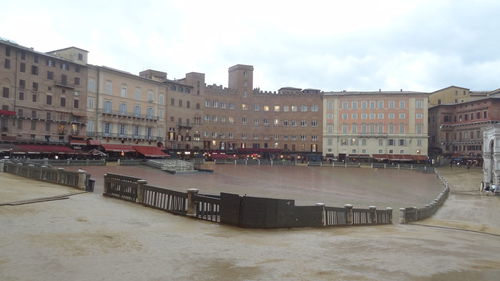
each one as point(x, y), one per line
point(327, 45)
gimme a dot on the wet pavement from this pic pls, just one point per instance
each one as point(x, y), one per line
point(89, 237)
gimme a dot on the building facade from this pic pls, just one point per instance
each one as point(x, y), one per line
point(44, 95)
point(454, 95)
point(374, 123)
point(241, 117)
point(124, 108)
point(457, 129)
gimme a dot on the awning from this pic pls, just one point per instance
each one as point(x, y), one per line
point(96, 152)
point(420, 157)
point(118, 147)
point(358, 156)
point(36, 149)
point(222, 156)
point(150, 151)
point(77, 142)
point(380, 157)
point(258, 150)
point(400, 157)
point(94, 142)
point(7, 112)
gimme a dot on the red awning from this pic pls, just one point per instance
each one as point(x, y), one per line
point(380, 156)
point(222, 156)
point(420, 157)
point(77, 142)
point(94, 142)
point(118, 147)
point(150, 151)
point(7, 112)
point(258, 150)
point(33, 148)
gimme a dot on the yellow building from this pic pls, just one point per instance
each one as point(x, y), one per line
point(454, 95)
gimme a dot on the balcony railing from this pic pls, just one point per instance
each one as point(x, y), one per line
point(123, 136)
point(128, 115)
point(65, 84)
point(187, 126)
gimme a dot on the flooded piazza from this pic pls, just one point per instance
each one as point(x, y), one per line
point(361, 187)
point(91, 237)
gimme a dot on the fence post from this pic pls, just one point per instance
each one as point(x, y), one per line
point(402, 215)
point(19, 168)
point(60, 173)
point(140, 191)
point(105, 184)
point(389, 209)
point(41, 172)
point(323, 213)
point(191, 193)
point(82, 178)
point(373, 214)
point(31, 167)
point(349, 216)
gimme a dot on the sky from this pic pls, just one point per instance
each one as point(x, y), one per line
point(329, 45)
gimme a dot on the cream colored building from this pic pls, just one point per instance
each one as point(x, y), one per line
point(454, 95)
point(374, 123)
point(124, 108)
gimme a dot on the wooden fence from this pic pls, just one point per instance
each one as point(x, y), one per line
point(80, 180)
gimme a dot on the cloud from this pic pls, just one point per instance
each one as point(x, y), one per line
point(330, 45)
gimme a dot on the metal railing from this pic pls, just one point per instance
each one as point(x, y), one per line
point(207, 207)
point(164, 199)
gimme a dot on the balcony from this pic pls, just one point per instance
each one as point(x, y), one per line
point(64, 84)
point(124, 136)
point(185, 126)
point(128, 115)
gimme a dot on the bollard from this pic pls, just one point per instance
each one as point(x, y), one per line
point(349, 216)
point(1, 166)
point(389, 209)
point(82, 177)
point(140, 191)
point(402, 215)
point(191, 193)
point(373, 214)
point(323, 213)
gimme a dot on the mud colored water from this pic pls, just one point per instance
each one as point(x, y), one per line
point(307, 185)
point(90, 237)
